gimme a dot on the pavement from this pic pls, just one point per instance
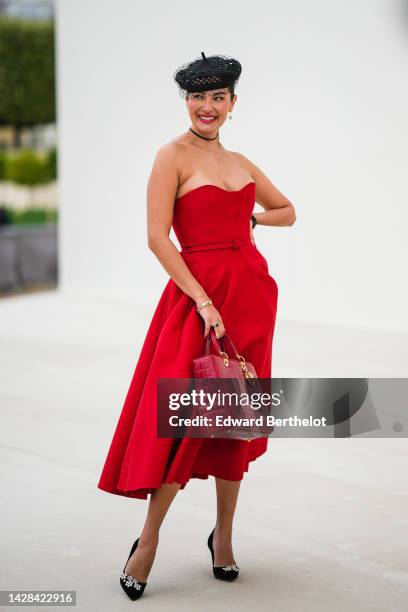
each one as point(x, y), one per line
point(321, 524)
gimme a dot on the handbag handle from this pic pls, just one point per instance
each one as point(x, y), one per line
point(212, 337)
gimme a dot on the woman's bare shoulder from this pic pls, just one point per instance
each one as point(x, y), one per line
point(175, 149)
point(242, 159)
point(167, 168)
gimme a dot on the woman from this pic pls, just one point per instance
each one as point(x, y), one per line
point(219, 279)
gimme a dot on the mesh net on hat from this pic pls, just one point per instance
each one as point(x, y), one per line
point(212, 72)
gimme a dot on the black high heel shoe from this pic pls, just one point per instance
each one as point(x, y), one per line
point(222, 572)
point(132, 587)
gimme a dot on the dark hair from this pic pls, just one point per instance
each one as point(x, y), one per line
point(230, 88)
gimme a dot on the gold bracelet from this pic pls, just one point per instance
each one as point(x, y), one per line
point(206, 303)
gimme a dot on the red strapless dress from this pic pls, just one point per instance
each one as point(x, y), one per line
point(212, 227)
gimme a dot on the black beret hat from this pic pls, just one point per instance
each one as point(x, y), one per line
point(212, 72)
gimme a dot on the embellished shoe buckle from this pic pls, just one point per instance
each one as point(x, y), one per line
point(228, 568)
point(130, 581)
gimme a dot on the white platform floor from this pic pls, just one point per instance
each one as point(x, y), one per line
point(321, 525)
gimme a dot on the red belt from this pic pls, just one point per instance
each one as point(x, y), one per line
point(236, 243)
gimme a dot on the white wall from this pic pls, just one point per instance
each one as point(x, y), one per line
point(321, 109)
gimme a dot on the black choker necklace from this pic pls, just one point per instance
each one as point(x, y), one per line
point(199, 135)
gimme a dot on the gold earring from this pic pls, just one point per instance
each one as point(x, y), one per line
point(230, 115)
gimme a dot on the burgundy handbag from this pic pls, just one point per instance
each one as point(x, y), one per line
point(222, 365)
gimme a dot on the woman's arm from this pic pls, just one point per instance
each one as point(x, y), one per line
point(279, 210)
point(161, 192)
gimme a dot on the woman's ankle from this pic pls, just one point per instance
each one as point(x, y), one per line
point(223, 531)
point(149, 539)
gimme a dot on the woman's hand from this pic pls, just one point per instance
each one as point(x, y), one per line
point(211, 315)
point(251, 232)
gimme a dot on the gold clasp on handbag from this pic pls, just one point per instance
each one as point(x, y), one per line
point(242, 363)
point(226, 361)
point(247, 373)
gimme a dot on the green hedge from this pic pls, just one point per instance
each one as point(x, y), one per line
point(3, 162)
point(29, 168)
point(29, 216)
point(27, 72)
